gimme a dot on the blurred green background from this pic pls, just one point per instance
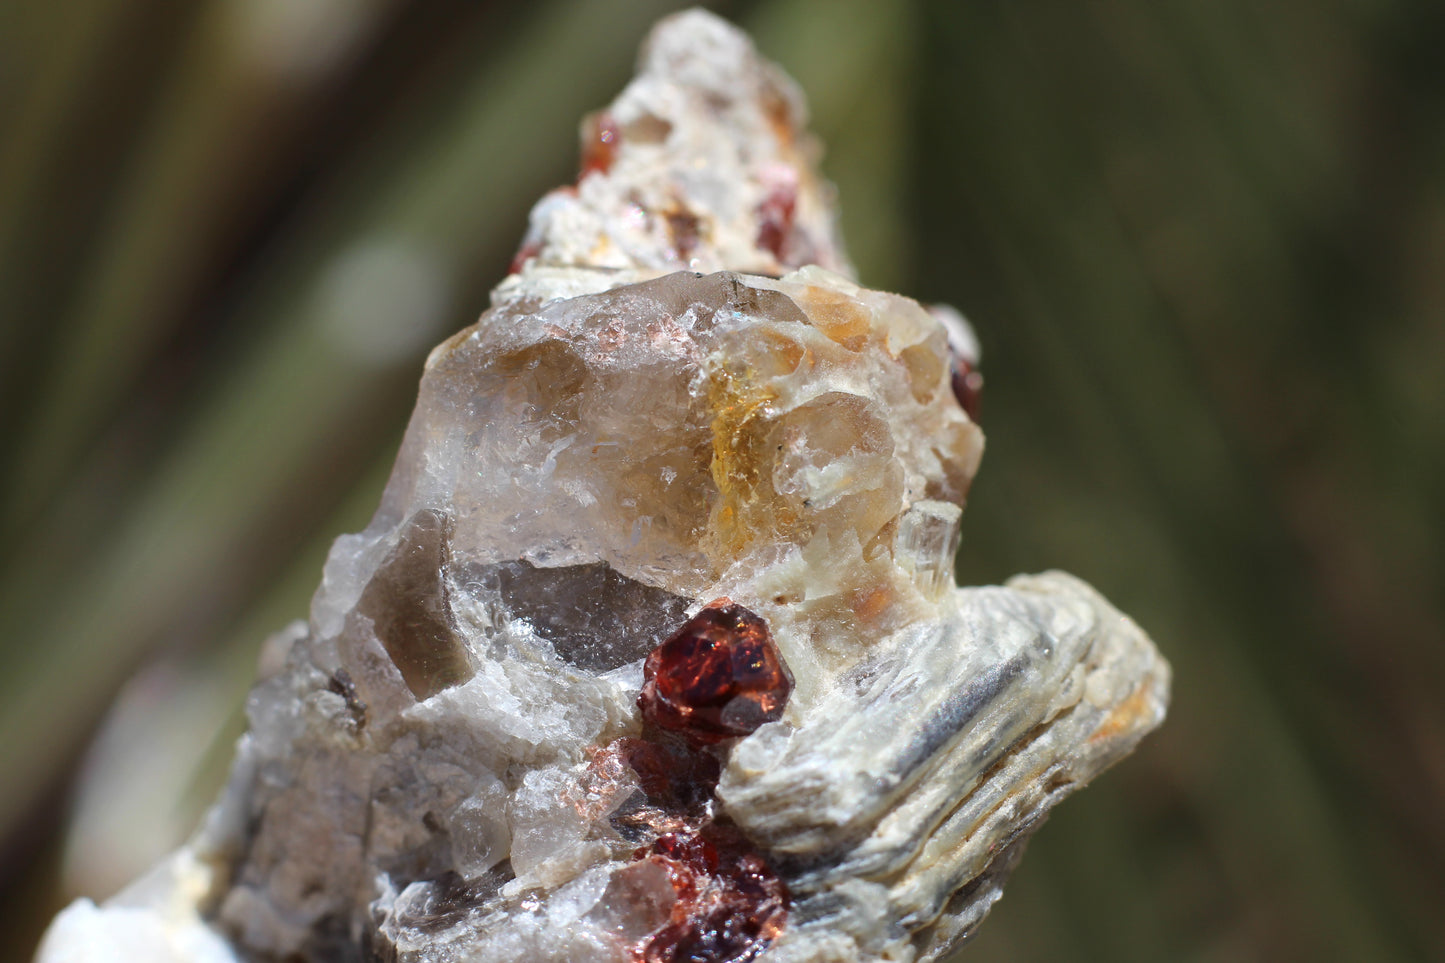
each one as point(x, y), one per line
point(1203, 242)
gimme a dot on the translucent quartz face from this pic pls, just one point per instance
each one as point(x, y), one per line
point(674, 426)
point(700, 436)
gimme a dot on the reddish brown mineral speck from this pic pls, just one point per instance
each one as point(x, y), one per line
point(967, 387)
point(775, 219)
point(718, 677)
point(599, 145)
point(685, 230)
point(524, 253)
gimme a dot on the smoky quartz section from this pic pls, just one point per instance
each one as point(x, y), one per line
point(408, 602)
point(596, 618)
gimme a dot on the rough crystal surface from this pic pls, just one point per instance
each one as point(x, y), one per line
point(679, 396)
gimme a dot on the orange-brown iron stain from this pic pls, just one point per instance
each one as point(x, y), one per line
point(870, 604)
point(780, 118)
point(798, 153)
point(838, 316)
point(747, 507)
point(738, 417)
point(1126, 715)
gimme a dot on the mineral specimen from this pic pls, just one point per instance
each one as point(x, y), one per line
point(653, 649)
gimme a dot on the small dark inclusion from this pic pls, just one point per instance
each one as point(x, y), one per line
point(718, 677)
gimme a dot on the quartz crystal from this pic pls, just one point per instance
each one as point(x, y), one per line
point(653, 649)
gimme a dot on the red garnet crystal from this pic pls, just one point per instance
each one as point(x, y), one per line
point(718, 677)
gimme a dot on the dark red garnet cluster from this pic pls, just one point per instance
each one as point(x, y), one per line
point(730, 905)
point(718, 677)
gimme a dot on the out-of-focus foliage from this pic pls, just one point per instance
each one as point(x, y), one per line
point(1203, 242)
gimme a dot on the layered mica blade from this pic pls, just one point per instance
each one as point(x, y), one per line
point(653, 649)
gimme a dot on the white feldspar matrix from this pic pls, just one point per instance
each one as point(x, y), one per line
point(653, 649)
